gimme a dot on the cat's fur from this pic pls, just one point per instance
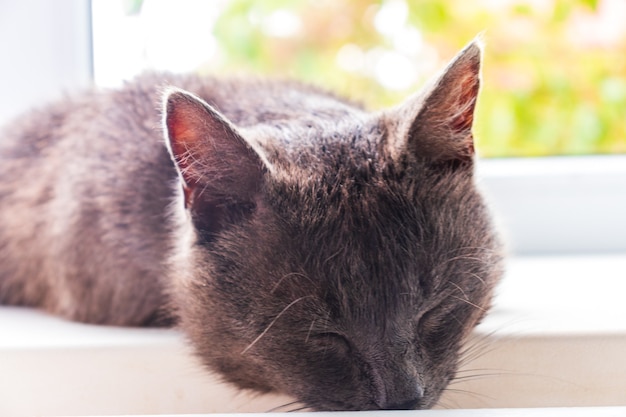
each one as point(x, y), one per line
point(303, 244)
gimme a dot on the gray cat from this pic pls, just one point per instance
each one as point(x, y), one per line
point(304, 245)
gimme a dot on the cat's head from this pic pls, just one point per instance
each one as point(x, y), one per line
point(347, 272)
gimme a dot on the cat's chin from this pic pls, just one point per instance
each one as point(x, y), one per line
point(240, 376)
point(323, 403)
point(361, 407)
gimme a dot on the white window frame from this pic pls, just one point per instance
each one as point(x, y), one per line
point(46, 51)
point(558, 205)
point(544, 205)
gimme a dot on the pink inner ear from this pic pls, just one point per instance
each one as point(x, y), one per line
point(466, 102)
point(180, 131)
point(183, 128)
point(184, 133)
point(442, 127)
point(207, 149)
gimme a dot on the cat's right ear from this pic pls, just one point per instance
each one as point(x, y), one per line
point(436, 124)
point(209, 153)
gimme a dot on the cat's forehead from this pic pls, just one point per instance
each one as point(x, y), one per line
point(319, 144)
point(369, 227)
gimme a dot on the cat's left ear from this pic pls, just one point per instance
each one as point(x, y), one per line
point(436, 124)
point(214, 160)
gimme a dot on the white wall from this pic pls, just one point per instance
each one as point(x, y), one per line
point(45, 50)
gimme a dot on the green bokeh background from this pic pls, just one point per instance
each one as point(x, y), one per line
point(554, 77)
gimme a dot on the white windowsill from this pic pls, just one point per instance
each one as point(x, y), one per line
point(556, 205)
point(555, 338)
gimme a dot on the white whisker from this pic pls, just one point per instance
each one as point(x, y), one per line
point(468, 302)
point(477, 277)
point(291, 274)
point(310, 330)
point(272, 323)
point(460, 289)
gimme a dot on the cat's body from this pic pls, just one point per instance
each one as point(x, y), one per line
point(333, 254)
point(85, 196)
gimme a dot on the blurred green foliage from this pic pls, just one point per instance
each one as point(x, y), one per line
point(554, 78)
point(552, 84)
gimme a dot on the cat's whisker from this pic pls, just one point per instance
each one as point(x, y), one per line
point(473, 249)
point(332, 256)
point(476, 395)
point(469, 302)
point(445, 406)
point(272, 323)
point(461, 257)
point(460, 289)
point(295, 410)
point(291, 274)
point(477, 347)
point(478, 277)
point(474, 353)
point(282, 406)
point(306, 340)
point(459, 379)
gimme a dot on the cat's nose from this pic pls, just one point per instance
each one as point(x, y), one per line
point(410, 402)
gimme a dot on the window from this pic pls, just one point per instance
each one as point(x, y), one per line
point(554, 81)
point(554, 85)
point(46, 50)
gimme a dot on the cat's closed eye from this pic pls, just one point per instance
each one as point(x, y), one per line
point(332, 342)
point(439, 326)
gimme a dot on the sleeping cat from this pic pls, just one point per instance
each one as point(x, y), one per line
point(303, 244)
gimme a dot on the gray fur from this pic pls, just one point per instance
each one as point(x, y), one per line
point(303, 244)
